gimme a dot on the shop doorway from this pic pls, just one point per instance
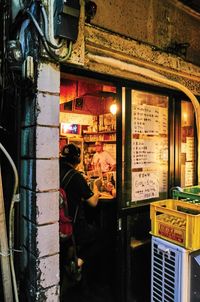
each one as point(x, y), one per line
point(152, 140)
point(88, 110)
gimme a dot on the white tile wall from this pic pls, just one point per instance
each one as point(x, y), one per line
point(49, 269)
point(47, 239)
point(47, 175)
point(47, 207)
point(47, 139)
point(48, 109)
point(49, 78)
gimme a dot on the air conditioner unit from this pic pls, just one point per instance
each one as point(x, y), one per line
point(170, 273)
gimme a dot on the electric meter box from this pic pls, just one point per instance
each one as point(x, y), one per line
point(66, 19)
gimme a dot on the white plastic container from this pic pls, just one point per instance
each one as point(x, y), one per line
point(169, 272)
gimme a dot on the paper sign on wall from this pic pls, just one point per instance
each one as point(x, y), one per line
point(189, 148)
point(145, 185)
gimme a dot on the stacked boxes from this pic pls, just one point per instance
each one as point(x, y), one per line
point(176, 221)
point(175, 226)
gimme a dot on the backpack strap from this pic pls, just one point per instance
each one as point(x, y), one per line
point(72, 172)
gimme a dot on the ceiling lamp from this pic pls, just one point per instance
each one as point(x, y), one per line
point(113, 108)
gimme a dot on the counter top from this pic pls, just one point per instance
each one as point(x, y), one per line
point(106, 195)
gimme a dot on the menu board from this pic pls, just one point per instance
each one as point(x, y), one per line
point(149, 145)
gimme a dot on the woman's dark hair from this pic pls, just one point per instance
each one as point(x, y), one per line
point(71, 154)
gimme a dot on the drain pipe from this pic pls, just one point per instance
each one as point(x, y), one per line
point(4, 251)
point(147, 73)
point(15, 198)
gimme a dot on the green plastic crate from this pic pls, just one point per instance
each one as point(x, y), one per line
point(190, 194)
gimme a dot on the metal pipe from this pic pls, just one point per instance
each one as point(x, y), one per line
point(11, 222)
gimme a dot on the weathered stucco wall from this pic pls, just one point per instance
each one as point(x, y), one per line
point(127, 51)
point(158, 23)
point(137, 33)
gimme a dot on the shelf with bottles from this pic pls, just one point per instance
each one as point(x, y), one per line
point(105, 137)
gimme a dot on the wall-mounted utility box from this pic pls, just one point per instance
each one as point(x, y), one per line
point(66, 19)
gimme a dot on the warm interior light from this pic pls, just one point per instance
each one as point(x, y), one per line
point(185, 116)
point(113, 109)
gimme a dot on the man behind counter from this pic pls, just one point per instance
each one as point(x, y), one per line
point(102, 159)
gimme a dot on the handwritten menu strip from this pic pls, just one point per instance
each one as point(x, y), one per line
point(163, 120)
point(146, 152)
point(163, 178)
point(189, 173)
point(183, 147)
point(145, 185)
point(189, 148)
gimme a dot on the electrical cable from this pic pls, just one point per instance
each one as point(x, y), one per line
point(11, 222)
point(22, 39)
point(48, 50)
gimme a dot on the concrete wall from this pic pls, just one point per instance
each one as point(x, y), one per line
point(155, 22)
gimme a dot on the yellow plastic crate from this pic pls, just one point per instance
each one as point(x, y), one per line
point(176, 221)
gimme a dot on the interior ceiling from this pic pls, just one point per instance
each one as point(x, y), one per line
point(194, 4)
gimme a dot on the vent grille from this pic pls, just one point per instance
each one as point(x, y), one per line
point(165, 270)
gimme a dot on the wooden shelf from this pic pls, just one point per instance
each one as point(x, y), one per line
point(103, 141)
point(100, 132)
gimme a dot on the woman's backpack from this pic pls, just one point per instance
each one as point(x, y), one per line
point(73, 272)
point(65, 221)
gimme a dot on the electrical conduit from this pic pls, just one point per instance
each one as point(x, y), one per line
point(11, 222)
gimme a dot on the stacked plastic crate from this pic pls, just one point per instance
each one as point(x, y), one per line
point(175, 226)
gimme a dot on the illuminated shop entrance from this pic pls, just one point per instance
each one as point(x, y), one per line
point(152, 138)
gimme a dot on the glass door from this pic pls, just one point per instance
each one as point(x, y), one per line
point(145, 147)
point(144, 178)
point(157, 153)
point(149, 146)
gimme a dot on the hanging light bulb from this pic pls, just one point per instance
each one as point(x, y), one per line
point(113, 109)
